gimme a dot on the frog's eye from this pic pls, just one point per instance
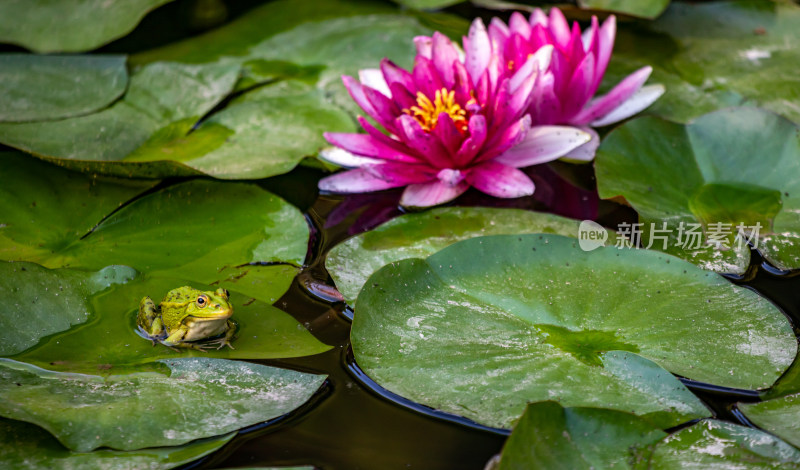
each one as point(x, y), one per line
point(202, 301)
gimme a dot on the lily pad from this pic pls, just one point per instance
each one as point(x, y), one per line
point(728, 171)
point(38, 88)
point(202, 231)
point(551, 436)
point(27, 446)
point(418, 235)
point(42, 302)
point(641, 8)
point(780, 416)
point(159, 95)
point(719, 445)
point(716, 54)
point(109, 342)
point(200, 397)
point(69, 25)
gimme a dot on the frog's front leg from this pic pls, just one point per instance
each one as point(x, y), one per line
point(175, 340)
point(149, 319)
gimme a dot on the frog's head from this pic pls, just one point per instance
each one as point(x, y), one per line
point(209, 305)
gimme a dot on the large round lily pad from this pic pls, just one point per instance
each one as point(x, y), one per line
point(41, 87)
point(27, 446)
point(716, 54)
point(641, 8)
point(488, 324)
point(729, 172)
point(199, 397)
point(418, 235)
point(45, 302)
point(780, 416)
point(69, 25)
point(201, 231)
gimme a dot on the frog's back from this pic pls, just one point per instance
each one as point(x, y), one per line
point(173, 307)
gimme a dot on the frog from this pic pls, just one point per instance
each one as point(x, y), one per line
point(188, 316)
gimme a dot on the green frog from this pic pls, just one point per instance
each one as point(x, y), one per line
point(186, 317)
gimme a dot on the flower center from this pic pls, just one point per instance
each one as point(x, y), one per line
point(427, 112)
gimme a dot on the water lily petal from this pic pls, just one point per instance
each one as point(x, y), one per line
point(375, 178)
point(538, 17)
point(373, 78)
point(356, 90)
point(605, 43)
point(500, 180)
point(424, 45)
point(543, 144)
point(444, 55)
point(473, 144)
point(580, 86)
point(422, 142)
point(538, 63)
point(518, 24)
point(448, 133)
point(394, 74)
point(368, 146)
point(511, 136)
point(381, 137)
point(601, 106)
point(431, 194)
point(585, 152)
point(426, 77)
point(341, 157)
point(478, 50)
point(559, 27)
point(385, 108)
point(640, 100)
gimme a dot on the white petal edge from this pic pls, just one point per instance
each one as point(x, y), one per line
point(636, 103)
point(543, 144)
point(373, 78)
point(346, 159)
point(584, 153)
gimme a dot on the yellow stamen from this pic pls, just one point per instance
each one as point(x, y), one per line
point(427, 113)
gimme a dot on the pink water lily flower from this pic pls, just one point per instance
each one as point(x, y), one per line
point(452, 122)
point(565, 95)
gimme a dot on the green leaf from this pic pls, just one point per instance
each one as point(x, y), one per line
point(42, 302)
point(488, 324)
point(719, 445)
point(418, 235)
point(38, 88)
point(641, 8)
point(108, 341)
point(27, 446)
point(428, 4)
point(200, 397)
point(716, 54)
point(728, 168)
point(69, 25)
point(549, 436)
point(201, 231)
point(230, 144)
point(159, 95)
point(779, 416)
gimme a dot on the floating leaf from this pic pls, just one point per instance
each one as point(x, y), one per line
point(201, 397)
point(716, 54)
point(37, 88)
point(428, 4)
point(550, 436)
point(69, 25)
point(730, 168)
point(418, 235)
point(719, 445)
point(159, 94)
point(263, 331)
point(27, 446)
point(641, 8)
point(41, 302)
point(780, 416)
point(201, 231)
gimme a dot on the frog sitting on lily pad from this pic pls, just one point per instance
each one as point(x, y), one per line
point(188, 318)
